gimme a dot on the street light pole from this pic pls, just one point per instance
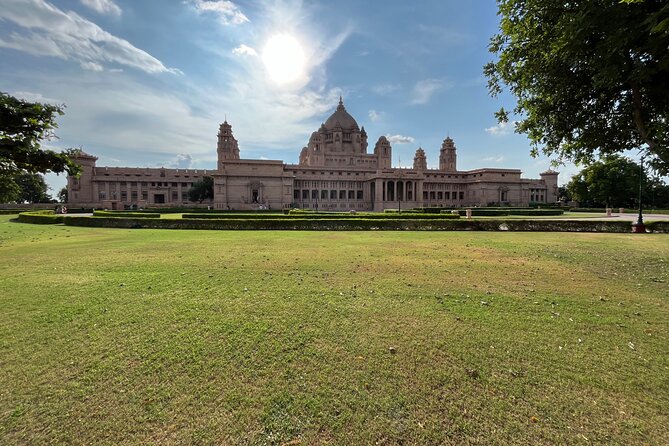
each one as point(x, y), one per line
point(639, 227)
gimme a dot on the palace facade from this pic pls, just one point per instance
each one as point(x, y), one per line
point(335, 173)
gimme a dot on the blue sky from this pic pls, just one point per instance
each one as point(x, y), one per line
point(146, 83)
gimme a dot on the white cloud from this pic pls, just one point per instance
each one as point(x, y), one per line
point(49, 31)
point(118, 116)
point(243, 49)
point(495, 159)
point(35, 97)
point(400, 139)
point(91, 66)
point(385, 89)
point(288, 113)
point(184, 161)
point(374, 115)
point(425, 89)
point(103, 6)
point(228, 13)
point(503, 128)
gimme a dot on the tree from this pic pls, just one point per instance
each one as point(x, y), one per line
point(33, 188)
point(202, 190)
point(62, 195)
point(23, 127)
point(563, 194)
point(10, 192)
point(610, 182)
point(590, 77)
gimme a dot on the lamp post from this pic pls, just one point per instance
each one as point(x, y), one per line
point(639, 227)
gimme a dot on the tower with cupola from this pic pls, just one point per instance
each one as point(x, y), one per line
point(448, 156)
point(227, 147)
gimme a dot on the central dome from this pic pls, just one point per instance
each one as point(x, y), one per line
point(340, 118)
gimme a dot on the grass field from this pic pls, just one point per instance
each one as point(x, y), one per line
point(346, 338)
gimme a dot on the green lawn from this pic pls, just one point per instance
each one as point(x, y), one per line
point(112, 336)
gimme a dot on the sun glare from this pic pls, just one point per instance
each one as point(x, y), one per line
point(283, 58)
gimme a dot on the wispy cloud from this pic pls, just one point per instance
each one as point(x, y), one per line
point(103, 6)
point(385, 89)
point(91, 66)
point(35, 97)
point(400, 139)
point(227, 12)
point(494, 159)
point(132, 120)
point(503, 128)
point(374, 115)
point(141, 123)
point(49, 31)
point(287, 112)
point(443, 35)
point(426, 88)
point(242, 50)
point(184, 160)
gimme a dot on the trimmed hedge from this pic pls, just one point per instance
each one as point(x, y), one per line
point(204, 210)
point(343, 224)
point(400, 211)
point(486, 212)
point(361, 224)
point(658, 227)
point(602, 210)
point(40, 217)
point(80, 210)
point(130, 214)
point(321, 216)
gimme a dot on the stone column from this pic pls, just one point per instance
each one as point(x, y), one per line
point(418, 188)
point(96, 192)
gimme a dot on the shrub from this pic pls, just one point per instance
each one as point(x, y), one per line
point(43, 217)
point(358, 224)
point(658, 227)
point(602, 210)
point(536, 211)
point(488, 212)
point(203, 210)
point(319, 216)
point(130, 214)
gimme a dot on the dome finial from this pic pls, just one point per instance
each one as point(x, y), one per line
point(341, 104)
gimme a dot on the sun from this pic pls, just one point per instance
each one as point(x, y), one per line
point(283, 58)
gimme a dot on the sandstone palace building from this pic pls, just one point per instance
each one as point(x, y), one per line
point(336, 171)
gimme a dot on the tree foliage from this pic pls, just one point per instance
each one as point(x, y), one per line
point(10, 192)
point(614, 181)
point(62, 195)
point(202, 190)
point(23, 187)
point(590, 77)
point(33, 188)
point(563, 194)
point(23, 127)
